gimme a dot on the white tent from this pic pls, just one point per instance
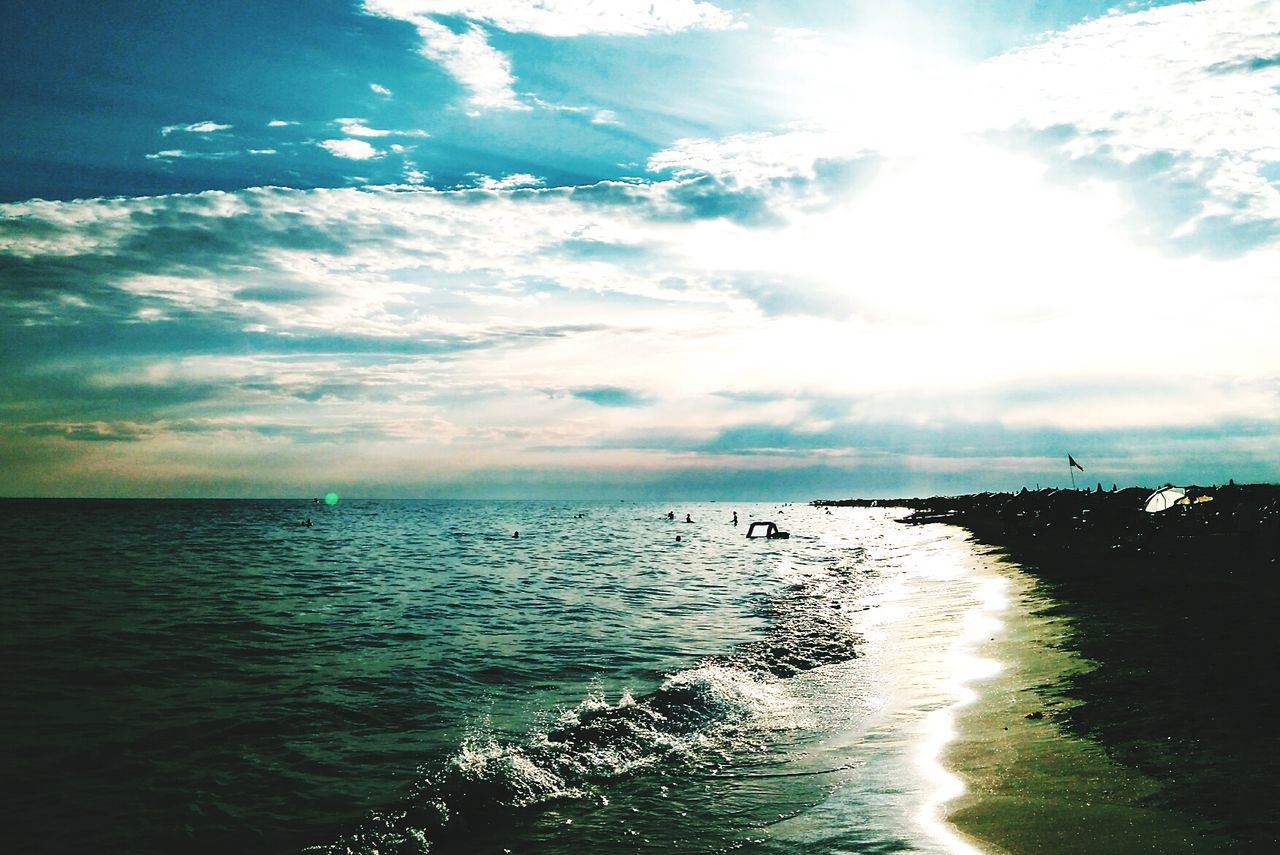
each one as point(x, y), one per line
point(1164, 498)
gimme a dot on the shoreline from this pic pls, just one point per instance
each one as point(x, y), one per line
point(1030, 786)
point(1142, 647)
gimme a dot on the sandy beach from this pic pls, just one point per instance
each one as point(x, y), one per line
point(1133, 711)
point(1032, 786)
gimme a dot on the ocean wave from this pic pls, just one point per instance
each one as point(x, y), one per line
point(710, 707)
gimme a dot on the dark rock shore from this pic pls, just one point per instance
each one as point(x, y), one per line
point(1236, 532)
point(1178, 611)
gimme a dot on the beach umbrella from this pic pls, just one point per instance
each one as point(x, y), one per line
point(1164, 498)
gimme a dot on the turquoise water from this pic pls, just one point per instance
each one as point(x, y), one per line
point(213, 676)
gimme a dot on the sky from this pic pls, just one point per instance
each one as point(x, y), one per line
point(694, 249)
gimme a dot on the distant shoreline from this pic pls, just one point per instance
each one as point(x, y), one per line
point(1175, 611)
point(1238, 526)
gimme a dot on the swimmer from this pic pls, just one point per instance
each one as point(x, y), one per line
point(735, 517)
point(688, 518)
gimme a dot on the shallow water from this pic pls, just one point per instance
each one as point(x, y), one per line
point(407, 676)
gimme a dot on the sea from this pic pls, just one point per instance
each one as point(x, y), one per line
point(291, 676)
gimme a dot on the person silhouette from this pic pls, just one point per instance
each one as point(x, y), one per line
point(735, 517)
point(688, 518)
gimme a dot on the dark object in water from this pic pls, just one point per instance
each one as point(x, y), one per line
point(767, 529)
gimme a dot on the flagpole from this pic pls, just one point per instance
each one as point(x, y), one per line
point(1071, 472)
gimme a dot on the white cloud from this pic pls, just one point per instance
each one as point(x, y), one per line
point(350, 149)
point(186, 154)
point(378, 89)
point(802, 36)
point(181, 154)
point(358, 128)
point(1173, 106)
point(279, 123)
point(509, 182)
point(754, 158)
point(486, 72)
point(481, 69)
point(205, 127)
point(535, 101)
point(484, 300)
point(1198, 80)
point(598, 116)
point(570, 17)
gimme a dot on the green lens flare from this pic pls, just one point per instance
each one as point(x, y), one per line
point(331, 498)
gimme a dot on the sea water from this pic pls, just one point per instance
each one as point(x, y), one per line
point(410, 676)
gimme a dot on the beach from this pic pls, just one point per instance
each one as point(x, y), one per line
point(1032, 786)
point(1132, 711)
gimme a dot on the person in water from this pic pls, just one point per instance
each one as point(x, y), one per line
point(671, 515)
point(735, 517)
point(688, 518)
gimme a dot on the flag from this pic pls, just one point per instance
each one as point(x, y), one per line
point(1071, 461)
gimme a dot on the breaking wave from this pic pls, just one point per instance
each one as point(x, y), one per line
point(695, 711)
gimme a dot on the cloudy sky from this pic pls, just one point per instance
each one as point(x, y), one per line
point(681, 248)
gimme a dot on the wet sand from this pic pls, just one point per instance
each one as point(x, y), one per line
point(1032, 786)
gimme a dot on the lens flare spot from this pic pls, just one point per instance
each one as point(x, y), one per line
point(331, 498)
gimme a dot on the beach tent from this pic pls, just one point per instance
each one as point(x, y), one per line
point(1164, 498)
